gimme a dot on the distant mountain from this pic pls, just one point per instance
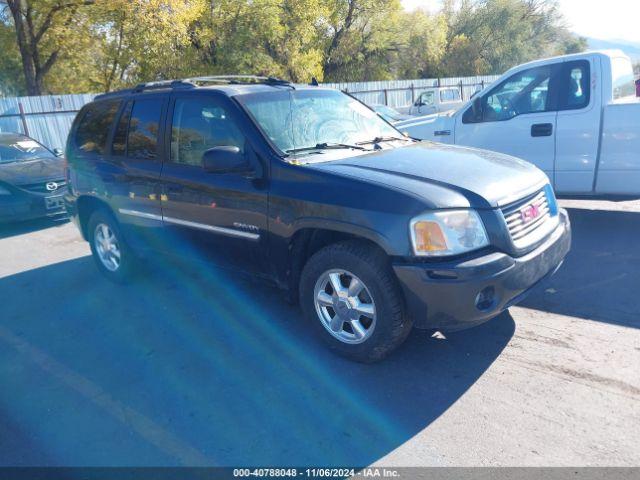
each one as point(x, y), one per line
point(630, 48)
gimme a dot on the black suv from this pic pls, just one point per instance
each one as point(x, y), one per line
point(308, 188)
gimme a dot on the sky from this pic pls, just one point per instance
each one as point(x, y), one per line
point(611, 20)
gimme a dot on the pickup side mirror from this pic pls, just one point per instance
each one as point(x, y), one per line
point(476, 106)
point(225, 159)
point(418, 103)
point(58, 152)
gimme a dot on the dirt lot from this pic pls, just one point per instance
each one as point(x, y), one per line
point(188, 367)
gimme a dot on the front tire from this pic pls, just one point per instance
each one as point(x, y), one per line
point(351, 297)
point(113, 257)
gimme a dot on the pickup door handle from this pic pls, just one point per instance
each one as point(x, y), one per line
point(542, 130)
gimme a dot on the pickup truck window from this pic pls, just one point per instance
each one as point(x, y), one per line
point(198, 125)
point(426, 98)
point(300, 119)
point(450, 95)
point(622, 78)
point(524, 92)
point(575, 85)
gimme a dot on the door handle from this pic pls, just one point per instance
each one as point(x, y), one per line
point(542, 130)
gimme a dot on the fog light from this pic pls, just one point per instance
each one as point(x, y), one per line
point(486, 298)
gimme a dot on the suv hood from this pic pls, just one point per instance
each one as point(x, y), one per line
point(32, 171)
point(445, 176)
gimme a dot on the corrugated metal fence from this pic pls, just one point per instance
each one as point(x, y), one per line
point(48, 118)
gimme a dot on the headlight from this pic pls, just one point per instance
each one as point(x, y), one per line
point(449, 232)
point(4, 191)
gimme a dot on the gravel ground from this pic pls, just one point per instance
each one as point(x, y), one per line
point(189, 367)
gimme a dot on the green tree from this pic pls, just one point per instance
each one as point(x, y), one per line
point(423, 47)
point(362, 39)
point(11, 74)
point(140, 40)
point(490, 36)
point(43, 30)
point(100, 45)
point(266, 37)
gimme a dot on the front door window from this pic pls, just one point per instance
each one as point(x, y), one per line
point(524, 92)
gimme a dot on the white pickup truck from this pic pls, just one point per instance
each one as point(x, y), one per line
point(576, 117)
point(436, 99)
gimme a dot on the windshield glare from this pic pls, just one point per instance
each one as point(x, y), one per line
point(298, 119)
point(18, 149)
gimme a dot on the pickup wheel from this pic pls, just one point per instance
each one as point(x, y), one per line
point(113, 257)
point(351, 297)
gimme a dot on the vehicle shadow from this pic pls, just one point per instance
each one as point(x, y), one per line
point(600, 278)
point(196, 368)
point(20, 228)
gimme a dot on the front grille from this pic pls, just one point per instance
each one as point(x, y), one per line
point(525, 231)
point(41, 187)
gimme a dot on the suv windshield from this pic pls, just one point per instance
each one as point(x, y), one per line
point(304, 121)
point(17, 148)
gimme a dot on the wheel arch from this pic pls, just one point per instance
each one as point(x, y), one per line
point(86, 205)
point(308, 239)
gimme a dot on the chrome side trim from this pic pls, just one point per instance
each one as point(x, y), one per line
point(136, 213)
point(211, 228)
point(185, 223)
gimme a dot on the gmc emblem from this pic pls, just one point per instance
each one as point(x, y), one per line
point(529, 213)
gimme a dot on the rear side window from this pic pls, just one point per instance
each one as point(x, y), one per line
point(142, 137)
point(94, 126)
point(120, 136)
point(575, 85)
point(451, 95)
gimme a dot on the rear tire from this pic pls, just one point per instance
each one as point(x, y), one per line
point(112, 255)
point(352, 298)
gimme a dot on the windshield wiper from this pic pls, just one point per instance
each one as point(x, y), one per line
point(384, 139)
point(326, 146)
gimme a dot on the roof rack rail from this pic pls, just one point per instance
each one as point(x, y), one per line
point(238, 79)
point(163, 84)
point(194, 81)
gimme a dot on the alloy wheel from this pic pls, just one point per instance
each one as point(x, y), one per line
point(345, 306)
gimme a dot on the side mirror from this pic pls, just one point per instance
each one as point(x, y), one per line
point(58, 152)
point(418, 103)
point(226, 159)
point(476, 106)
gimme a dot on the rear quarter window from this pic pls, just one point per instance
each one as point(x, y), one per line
point(94, 126)
point(622, 78)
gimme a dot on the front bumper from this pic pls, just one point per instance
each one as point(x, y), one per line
point(28, 206)
point(447, 296)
